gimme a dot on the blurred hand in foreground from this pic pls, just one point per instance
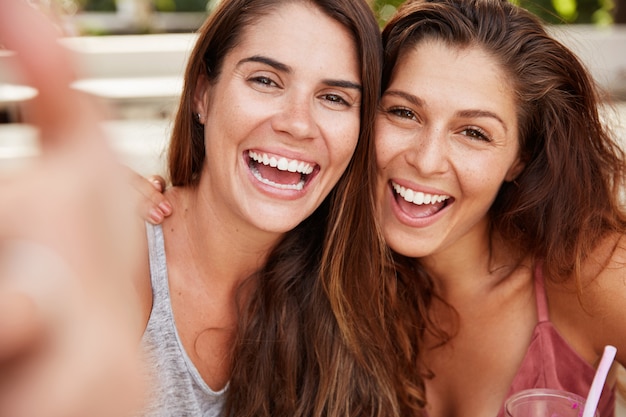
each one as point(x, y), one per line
point(69, 249)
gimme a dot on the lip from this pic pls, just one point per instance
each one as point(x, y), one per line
point(289, 162)
point(407, 219)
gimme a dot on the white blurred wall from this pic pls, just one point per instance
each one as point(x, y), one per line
point(140, 76)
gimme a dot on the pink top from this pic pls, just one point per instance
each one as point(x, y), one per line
point(551, 363)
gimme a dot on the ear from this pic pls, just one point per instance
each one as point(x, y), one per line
point(515, 169)
point(201, 97)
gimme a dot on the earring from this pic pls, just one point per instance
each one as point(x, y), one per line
point(198, 117)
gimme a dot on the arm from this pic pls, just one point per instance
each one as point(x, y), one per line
point(69, 242)
point(608, 296)
point(594, 318)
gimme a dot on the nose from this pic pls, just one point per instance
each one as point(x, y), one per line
point(297, 117)
point(430, 152)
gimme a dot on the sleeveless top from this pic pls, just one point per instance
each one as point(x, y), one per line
point(178, 388)
point(550, 362)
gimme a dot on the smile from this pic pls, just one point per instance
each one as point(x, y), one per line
point(417, 204)
point(280, 172)
point(418, 197)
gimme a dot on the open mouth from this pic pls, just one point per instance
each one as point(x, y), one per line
point(280, 172)
point(418, 204)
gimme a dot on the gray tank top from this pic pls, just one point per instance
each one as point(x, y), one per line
point(179, 389)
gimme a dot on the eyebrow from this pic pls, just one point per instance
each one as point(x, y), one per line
point(287, 69)
point(267, 61)
point(416, 101)
point(483, 113)
point(408, 97)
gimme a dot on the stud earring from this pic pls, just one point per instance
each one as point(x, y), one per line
point(199, 117)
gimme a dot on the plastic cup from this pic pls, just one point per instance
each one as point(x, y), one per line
point(542, 402)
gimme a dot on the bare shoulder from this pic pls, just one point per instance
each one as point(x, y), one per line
point(605, 270)
point(590, 314)
point(604, 295)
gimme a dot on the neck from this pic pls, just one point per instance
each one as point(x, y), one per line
point(223, 252)
point(477, 263)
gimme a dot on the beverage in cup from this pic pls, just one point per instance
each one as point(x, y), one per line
point(543, 402)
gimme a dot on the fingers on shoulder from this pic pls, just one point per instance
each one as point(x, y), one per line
point(152, 205)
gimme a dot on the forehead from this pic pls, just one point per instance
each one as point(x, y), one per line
point(469, 76)
point(296, 31)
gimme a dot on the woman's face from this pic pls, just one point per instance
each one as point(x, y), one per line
point(446, 139)
point(282, 120)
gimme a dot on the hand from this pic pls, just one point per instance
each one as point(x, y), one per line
point(69, 250)
point(152, 204)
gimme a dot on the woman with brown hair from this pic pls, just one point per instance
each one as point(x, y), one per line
point(271, 149)
point(499, 191)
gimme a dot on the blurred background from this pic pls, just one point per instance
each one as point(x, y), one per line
point(149, 16)
point(106, 17)
point(131, 55)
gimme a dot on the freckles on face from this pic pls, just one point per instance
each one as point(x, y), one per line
point(283, 118)
point(446, 139)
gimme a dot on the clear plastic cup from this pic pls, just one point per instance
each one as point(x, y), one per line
point(543, 402)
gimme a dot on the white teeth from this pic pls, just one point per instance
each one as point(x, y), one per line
point(418, 197)
point(282, 164)
point(299, 186)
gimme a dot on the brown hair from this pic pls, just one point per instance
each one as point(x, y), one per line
point(315, 339)
point(567, 197)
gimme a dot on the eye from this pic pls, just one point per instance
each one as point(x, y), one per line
point(476, 133)
point(402, 112)
point(263, 81)
point(335, 99)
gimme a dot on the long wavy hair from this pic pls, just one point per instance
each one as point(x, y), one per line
point(317, 336)
point(567, 198)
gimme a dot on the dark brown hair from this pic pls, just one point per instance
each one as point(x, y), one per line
point(567, 197)
point(315, 337)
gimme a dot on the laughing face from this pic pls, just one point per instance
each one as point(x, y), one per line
point(446, 139)
point(281, 120)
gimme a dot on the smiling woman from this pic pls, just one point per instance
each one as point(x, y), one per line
point(254, 260)
point(499, 194)
point(448, 113)
point(273, 102)
point(271, 150)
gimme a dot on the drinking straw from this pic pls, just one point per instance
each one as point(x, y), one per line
point(591, 404)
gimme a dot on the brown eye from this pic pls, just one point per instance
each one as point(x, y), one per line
point(335, 99)
point(264, 81)
point(402, 113)
point(476, 133)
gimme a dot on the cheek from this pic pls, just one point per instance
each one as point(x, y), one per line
point(381, 156)
point(343, 143)
point(481, 182)
point(384, 147)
